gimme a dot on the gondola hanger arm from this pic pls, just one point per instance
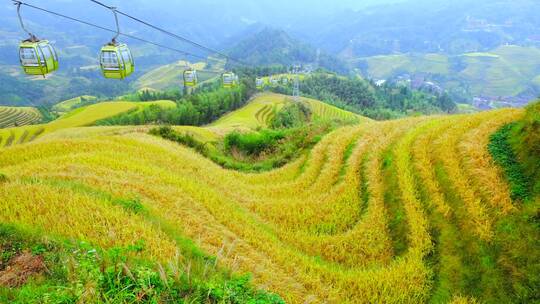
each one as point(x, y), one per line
point(33, 38)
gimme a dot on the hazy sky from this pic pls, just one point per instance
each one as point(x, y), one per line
point(193, 18)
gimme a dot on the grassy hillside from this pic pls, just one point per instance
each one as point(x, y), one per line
point(78, 118)
point(505, 71)
point(382, 67)
point(409, 210)
point(170, 76)
point(261, 110)
point(18, 116)
point(70, 104)
point(257, 113)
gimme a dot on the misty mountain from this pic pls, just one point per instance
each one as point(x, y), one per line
point(450, 27)
point(206, 21)
point(356, 32)
point(275, 47)
point(347, 27)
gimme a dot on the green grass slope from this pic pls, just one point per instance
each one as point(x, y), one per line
point(18, 116)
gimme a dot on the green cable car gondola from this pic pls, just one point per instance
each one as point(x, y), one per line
point(37, 57)
point(259, 83)
point(115, 58)
point(190, 78)
point(116, 61)
point(230, 80)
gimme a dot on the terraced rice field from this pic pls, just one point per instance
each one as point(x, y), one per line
point(260, 111)
point(18, 116)
point(70, 104)
point(256, 113)
point(323, 110)
point(380, 212)
point(78, 118)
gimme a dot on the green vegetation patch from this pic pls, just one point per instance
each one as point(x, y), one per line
point(515, 148)
point(291, 116)
point(387, 101)
point(525, 139)
point(194, 110)
point(77, 272)
point(397, 225)
point(253, 143)
point(255, 151)
point(503, 154)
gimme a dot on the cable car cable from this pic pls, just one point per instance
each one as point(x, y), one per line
point(117, 31)
point(110, 30)
point(171, 34)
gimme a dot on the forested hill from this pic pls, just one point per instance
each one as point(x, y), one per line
point(385, 101)
point(272, 46)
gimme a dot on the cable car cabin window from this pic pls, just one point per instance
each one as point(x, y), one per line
point(109, 60)
point(53, 51)
point(28, 57)
point(126, 57)
point(46, 51)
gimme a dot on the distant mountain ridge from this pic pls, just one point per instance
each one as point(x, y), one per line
point(275, 47)
point(450, 27)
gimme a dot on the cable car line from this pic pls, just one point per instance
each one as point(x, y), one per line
point(171, 34)
point(38, 57)
point(110, 30)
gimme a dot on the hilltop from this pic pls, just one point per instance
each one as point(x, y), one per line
point(276, 47)
point(73, 103)
point(262, 108)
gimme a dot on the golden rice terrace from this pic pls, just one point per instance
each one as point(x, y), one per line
point(403, 211)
